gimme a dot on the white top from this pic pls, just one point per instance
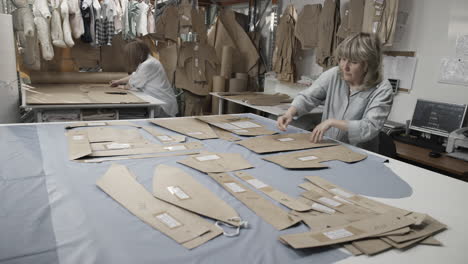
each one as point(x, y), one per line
point(151, 79)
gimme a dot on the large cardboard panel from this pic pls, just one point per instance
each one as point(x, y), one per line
point(243, 126)
point(78, 144)
point(215, 162)
point(188, 126)
point(180, 225)
point(350, 232)
point(262, 207)
point(282, 142)
point(276, 195)
point(174, 186)
point(312, 159)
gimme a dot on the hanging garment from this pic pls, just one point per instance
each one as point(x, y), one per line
point(151, 22)
point(124, 5)
point(131, 22)
point(351, 23)
point(142, 19)
point(307, 26)
point(168, 24)
point(76, 19)
point(56, 31)
point(380, 18)
point(283, 58)
point(87, 13)
point(67, 34)
point(43, 32)
point(118, 14)
point(105, 24)
point(328, 25)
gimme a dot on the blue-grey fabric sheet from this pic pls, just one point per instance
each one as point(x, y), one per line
point(87, 226)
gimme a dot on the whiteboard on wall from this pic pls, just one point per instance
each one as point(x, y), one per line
point(9, 95)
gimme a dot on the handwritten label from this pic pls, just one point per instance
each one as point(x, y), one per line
point(177, 191)
point(226, 126)
point(164, 138)
point(234, 187)
point(341, 193)
point(97, 124)
point(329, 201)
point(118, 146)
point(257, 183)
point(195, 133)
point(175, 148)
point(168, 220)
point(78, 137)
point(208, 157)
point(285, 139)
point(323, 208)
point(337, 234)
point(307, 158)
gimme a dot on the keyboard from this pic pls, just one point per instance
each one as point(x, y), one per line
point(420, 142)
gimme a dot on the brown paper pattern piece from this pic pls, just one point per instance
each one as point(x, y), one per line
point(262, 207)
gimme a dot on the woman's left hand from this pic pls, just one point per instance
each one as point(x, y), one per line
point(319, 130)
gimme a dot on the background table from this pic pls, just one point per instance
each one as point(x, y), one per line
point(39, 108)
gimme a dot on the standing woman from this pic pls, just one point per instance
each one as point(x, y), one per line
point(356, 100)
point(148, 76)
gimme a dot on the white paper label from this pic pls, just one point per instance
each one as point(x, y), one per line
point(78, 137)
point(175, 148)
point(118, 146)
point(234, 187)
point(342, 193)
point(164, 138)
point(226, 126)
point(337, 234)
point(257, 183)
point(240, 131)
point(195, 133)
point(285, 139)
point(185, 17)
point(329, 201)
point(307, 158)
point(97, 124)
point(245, 124)
point(168, 220)
point(208, 157)
point(177, 191)
point(323, 208)
point(336, 197)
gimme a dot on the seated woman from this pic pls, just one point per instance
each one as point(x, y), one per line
point(148, 76)
point(356, 100)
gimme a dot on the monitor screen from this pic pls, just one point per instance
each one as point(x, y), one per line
point(437, 118)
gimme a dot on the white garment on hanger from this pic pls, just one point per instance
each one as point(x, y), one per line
point(118, 14)
point(142, 19)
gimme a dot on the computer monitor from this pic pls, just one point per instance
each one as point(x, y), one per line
point(437, 118)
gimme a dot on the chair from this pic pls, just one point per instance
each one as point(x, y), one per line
point(386, 145)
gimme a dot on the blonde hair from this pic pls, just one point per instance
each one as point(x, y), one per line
point(363, 48)
point(136, 52)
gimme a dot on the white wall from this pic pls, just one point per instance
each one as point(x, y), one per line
point(9, 99)
point(431, 31)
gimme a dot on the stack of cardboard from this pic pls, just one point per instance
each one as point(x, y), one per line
point(361, 225)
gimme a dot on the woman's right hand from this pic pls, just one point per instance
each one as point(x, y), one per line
point(283, 121)
point(114, 83)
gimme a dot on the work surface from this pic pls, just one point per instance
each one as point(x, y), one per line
point(52, 211)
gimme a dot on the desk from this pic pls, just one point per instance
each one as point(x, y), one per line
point(421, 155)
point(52, 211)
point(39, 108)
point(276, 110)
